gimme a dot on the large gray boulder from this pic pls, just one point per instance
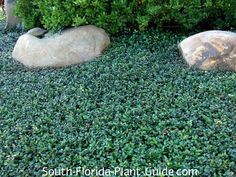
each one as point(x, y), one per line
point(210, 50)
point(72, 46)
point(11, 20)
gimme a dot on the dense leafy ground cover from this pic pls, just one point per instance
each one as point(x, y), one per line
point(137, 106)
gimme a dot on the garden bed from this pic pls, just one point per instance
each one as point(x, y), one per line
point(137, 106)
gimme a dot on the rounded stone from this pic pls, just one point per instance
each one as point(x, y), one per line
point(210, 50)
point(72, 46)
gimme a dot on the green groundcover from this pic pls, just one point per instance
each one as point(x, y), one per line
point(138, 106)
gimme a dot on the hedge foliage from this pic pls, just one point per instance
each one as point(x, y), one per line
point(125, 15)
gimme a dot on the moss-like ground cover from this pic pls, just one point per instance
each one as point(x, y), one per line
point(137, 106)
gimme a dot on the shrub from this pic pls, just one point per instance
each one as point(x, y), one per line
point(29, 13)
point(123, 15)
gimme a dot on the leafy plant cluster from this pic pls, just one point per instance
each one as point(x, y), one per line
point(126, 15)
point(136, 106)
point(2, 16)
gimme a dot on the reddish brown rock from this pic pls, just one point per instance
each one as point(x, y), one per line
point(210, 50)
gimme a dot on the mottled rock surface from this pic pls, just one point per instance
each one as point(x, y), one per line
point(37, 32)
point(72, 46)
point(210, 50)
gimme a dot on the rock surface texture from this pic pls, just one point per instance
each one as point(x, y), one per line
point(37, 32)
point(210, 50)
point(11, 20)
point(72, 46)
